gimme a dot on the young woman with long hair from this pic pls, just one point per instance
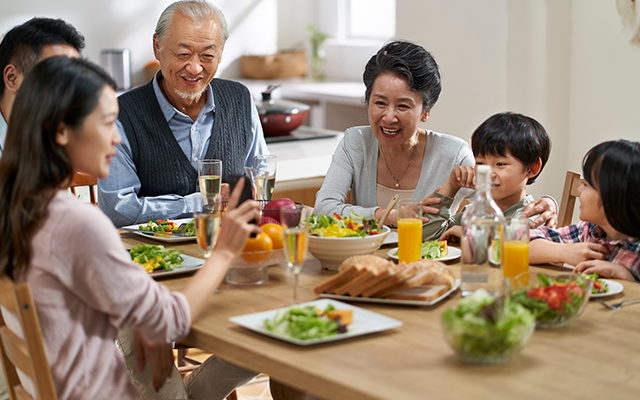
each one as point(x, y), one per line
point(84, 284)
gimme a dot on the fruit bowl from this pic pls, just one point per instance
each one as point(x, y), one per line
point(554, 299)
point(251, 268)
point(483, 329)
point(332, 251)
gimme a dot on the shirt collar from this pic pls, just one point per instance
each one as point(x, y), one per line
point(169, 110)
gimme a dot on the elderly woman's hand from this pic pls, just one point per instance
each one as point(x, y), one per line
point(546, 207)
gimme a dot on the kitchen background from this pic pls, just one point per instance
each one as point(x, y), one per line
point(567, 63)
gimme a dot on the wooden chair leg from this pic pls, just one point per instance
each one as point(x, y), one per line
point(233, 396)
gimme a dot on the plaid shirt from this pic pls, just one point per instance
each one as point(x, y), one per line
point(624, 252)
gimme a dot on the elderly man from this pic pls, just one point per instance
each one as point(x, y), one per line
point(181, 116)
point(22, 48)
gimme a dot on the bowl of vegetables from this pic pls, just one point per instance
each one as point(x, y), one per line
point(555, 300)
point(334, 238)
point(484, 329)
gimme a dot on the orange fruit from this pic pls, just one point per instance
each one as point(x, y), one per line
point(275, 233)
point(262, 242)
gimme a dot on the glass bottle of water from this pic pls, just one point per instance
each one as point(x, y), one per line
point(482, 224)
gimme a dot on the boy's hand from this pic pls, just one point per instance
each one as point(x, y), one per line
point(547, 210)
point(452, 234)
point(604, 269)
point(462, 176)
point(576, 253)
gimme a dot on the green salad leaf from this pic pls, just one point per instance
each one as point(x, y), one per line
point(165, 259)
point(483, 326)
point(303, 323)
point(431, 250)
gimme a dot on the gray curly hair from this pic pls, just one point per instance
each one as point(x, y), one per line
point(198, 11)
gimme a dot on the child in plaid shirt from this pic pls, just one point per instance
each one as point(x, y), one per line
point(606, 241)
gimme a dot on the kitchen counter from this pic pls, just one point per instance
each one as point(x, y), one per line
point(302, 164)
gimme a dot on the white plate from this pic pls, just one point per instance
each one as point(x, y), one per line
point(614, 288)
point(364, 322)
point(161, 236)
point(392, 238)
point(455, 287)
point(452, 254)
point(189, 264)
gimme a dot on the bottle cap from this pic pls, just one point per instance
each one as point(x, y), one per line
point(483, 169)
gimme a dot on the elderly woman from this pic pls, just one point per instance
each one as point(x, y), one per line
point(393, 155)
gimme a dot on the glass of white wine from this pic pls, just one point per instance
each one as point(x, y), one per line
point(210, 179)
point(268, 164)
point(207, 225)
point(295, 224)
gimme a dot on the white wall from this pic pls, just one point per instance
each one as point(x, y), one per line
point(564, 62)
point(108, 24)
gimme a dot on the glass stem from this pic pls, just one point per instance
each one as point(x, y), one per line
point(295, 289)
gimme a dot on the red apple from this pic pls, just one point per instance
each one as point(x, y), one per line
point(266, 219)
point(272, 209)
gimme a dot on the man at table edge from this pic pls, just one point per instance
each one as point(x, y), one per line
point(182, 115)
point(22, 47)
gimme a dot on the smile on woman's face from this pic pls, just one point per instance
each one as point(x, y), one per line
point(92, 146)
point(394, 110)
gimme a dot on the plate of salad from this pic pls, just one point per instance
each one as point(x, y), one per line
point(603, 287)
point(433, 250)
point(164, 230)
point(159, 261)
point(308, 323)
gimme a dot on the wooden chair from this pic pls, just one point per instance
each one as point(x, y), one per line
point(81, 179)
point(26, 354)
point(568, 201)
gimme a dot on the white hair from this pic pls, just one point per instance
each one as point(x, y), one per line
point(199, 11)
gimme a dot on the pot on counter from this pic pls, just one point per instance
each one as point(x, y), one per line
point(279, 117)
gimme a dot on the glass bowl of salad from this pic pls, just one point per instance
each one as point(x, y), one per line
point(554, 299)
point(484, 329)
point(334, 238)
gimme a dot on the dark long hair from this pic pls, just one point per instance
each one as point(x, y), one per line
point(613, 169)
point(33, 167)
point(406, 60)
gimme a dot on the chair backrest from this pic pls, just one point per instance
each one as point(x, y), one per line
point(81, 179)
point(28, 354)
point(568, 201)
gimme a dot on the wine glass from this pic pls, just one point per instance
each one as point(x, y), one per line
point(295, 224)
point(207, 226)
point(267, 164)
point(210, 179)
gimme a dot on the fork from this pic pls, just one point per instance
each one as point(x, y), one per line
point(618, 305)
point(181, 229)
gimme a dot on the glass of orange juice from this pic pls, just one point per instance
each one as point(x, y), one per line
point(409, 230)
point(516, 249)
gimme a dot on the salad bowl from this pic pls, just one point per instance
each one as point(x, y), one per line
point(555, 300)
point(332, 251)
point(484, 329)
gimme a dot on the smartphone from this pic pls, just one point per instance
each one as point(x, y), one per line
point(246, 192)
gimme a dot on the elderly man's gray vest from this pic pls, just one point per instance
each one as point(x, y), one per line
point(162, 166)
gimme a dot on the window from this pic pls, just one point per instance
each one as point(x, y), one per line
point(370, 19)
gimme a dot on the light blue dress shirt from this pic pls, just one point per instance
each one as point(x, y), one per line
point(3, 133)
point(118, 193)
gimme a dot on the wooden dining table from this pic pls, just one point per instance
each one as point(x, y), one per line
point(597, 356)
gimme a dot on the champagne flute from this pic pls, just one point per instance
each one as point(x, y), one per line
point(295, 224)
point(210, 179)
point(267, 164)
point(207, 225)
